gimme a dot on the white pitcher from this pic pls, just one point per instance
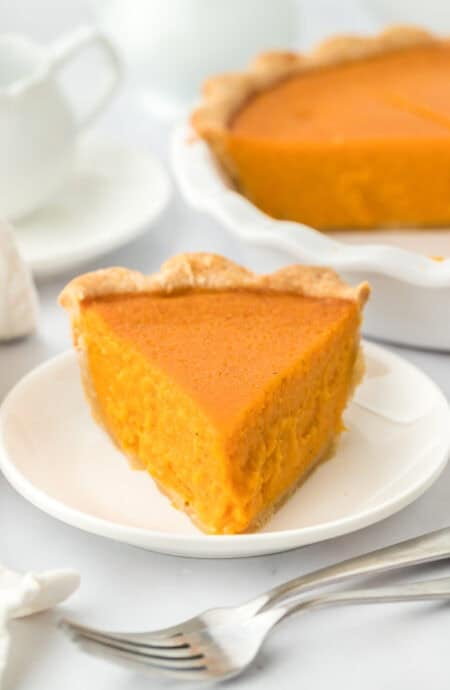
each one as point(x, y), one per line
point(171, 46)
point(38, 126)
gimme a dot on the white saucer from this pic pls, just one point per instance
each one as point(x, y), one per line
point(52, 452)
point(114, 195)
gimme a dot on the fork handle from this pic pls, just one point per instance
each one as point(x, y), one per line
point(433, 546)
point(426, 590)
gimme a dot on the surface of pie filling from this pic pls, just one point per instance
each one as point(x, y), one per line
point(359, 144)
point(227, 399)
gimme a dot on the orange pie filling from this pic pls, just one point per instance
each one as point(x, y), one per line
point(358, 144)
point(228, 399)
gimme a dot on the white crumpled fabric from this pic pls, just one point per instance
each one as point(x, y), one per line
point(22, 594)
point(18, 298)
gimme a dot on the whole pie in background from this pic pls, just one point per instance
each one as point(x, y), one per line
point(354, 135)
point(226, 386)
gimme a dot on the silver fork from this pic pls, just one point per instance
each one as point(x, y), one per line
point(221, 652)
point(199, 647)
point(433, 546)
point(175, 645)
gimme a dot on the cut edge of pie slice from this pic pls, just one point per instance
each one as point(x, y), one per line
point(346, 185)
point(228, 387)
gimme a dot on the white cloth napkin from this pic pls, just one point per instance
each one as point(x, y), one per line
point(22, 594)
point(18, 299)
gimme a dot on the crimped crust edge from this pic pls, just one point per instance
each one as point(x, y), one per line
point(205, 271)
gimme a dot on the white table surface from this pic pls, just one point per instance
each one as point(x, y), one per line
point(122, 587)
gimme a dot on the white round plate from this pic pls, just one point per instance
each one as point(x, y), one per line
point(411, 292)
point(113, 196)
point(51, 451)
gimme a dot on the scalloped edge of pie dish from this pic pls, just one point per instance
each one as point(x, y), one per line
point(417, 287)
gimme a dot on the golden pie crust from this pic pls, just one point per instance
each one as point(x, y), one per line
point(204, 271)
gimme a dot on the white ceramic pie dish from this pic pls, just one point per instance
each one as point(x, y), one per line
point(53, 453)
point(410, 303)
